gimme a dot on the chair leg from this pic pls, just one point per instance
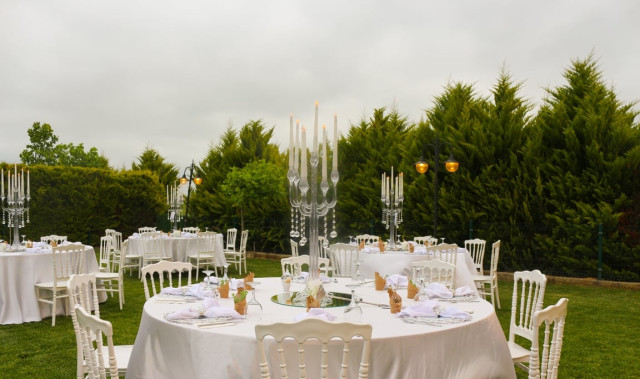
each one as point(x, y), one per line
point(497, 295)
point(53, 308)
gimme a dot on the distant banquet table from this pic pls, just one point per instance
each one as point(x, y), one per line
point(399, 262)
point(19, 272)
point(176, 248)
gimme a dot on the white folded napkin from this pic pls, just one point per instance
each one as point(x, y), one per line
point(420, 250)
point(316, 313)
point(210, 308)
point(422, 309)
point(397, 280)
point(196, 290)
point(438, 290)
point(432, 308)
point(233, 283)
point(464, 291)
point(371, 249)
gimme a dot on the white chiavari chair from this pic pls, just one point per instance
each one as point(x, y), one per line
point(315, 331)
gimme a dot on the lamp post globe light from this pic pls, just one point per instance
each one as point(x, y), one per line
point(451, 165)
point(188, 180)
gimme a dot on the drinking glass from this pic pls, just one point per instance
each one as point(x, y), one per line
point(254, 308)
point(353, 312)
point(24, 240)
point(226, 268)
point(442, 238)
point(358, 277)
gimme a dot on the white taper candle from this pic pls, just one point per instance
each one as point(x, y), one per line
point(315, 131)
point(335, 142)
point(303, 155)
point(324, 153)
point(291, 148)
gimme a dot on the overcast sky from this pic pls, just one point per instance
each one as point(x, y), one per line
point(119, 75)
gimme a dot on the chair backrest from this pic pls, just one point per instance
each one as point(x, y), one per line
point(545, 364)
point(46, 239)
point(58, 239)
point(208, 243)
point(344, 258)
point(92, 329)
point(323, 247)
point(294, 248)
point(528, 296)
point(191, 229)
point(232, 233)
point(109, 232)
point(105, 253)
point(83, 292)
point(433, 270)
point(159, 269)
point(367, 238)
point(294, 264)
point(146, 229)
point(244, 236)
point(316, 331)
point(424, 240)
point(476, 248)
point(495, 257)
point(447, 252)
point(67, 260)
point(433, 241)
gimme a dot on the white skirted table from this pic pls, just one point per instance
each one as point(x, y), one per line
point(19, 272)
point(176, 248)
point(472, 349)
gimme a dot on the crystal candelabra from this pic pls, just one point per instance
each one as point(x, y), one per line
point(392, 197)
point(174, 201)
point(312, 200)
point(15, 203)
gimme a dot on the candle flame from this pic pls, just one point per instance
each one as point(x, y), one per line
point(324, 126)
point(316, 103)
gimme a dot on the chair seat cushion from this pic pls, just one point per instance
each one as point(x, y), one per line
point(201, 256)
point(518, 353)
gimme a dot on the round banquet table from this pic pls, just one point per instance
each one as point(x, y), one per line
point(176, 248)
point(19, 272)
point(473, 349)
point(399, 262)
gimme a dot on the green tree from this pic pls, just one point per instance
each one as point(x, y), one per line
point(41, 150)
point(372, 147)
point(151, 160)
point(211, 207)
point(45, 150)
point(259, 193)
point(589, 143)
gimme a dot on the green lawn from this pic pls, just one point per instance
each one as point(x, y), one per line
point(601, 338)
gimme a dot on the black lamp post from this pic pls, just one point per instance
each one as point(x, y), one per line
point(184, 180)
point(422, 166)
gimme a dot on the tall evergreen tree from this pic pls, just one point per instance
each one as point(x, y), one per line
point(589, 143)
point(151, 160)
point(371, 148)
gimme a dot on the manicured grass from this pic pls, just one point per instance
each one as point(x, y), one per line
point(600, 341)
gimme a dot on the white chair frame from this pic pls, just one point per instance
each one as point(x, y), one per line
point(91, 331)
point(191, 229)
point(160, 269)
point(146, 229)
point(476, 248)
point(433, 270)
point(528, 297)
point(107, 279)
point(238, 258)
point(424, 240)
point(66, 261)
point(545, 364)
point(313, 330)
point(294, 265)
point(343, 259)
point(206, 255)
point(491, 280)
point(82, 291)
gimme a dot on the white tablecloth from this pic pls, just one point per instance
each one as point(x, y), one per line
point(19, 272)
point(474, 349)
point(176, 248)
point(399, 262)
